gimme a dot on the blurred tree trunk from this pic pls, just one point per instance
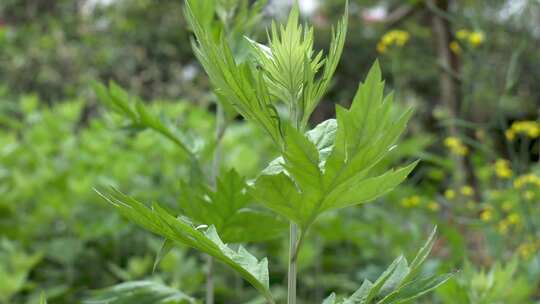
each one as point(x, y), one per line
point(450, 86)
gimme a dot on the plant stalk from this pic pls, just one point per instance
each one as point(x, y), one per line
point(221, 126)
point(209, 280)
point(291, 291)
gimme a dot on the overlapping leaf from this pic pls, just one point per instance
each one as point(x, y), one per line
point(204, 239)
point(236, 83)
point(291, 66)
point(141, 292)
point(330, 166)
point(398, 284)
point(227, 208)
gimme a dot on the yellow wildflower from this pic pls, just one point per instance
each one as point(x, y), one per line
point(502, 227)
point(463, 34)
point(433, 206)
point(526, 250)
point(524, 127)
point(393, 38)
point(455, 48)
point(476, 38)
point(510, 134)
point(528, 195)
point(410, 202)
point(502, 169)
point(467, 190)
point(507, 206)
point(381, 48)
point(486, 215)
point(449, 194)
point(526, 179)
point(514, 219)
point(456, 146)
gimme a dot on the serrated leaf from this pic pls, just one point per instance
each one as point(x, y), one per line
point(227, 208)
point(415, 289)
point(330, 166)
point(236, 83)
point(118, 100)
point(140, 292)
point(399, 283)
point(180, 230)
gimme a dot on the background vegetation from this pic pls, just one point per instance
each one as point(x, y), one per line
point(470, 68)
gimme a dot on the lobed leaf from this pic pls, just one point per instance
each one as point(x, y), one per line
point(227, 208)
point(181, 230)
point(329, 167)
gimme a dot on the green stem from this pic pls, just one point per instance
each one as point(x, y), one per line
point(209, 280)
point(221, 126)
point(291, 291)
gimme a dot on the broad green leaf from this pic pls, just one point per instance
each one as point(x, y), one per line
point(330, 166)
point(141, 292)
point(202, 238)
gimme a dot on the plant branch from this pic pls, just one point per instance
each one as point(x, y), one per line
point(291, 286)
point(221, 127)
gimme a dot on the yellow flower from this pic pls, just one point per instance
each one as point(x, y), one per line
point(467, 190)
point(456, 146)
point(526, 250)
point(524, 127)
point(410, 202)
point(507, 206)
point(514, 218)
point(392, 38)
point(381, 48)
point(449, 194)
point(528, 195)
point(476, 38)
point(463, 34)
point(486, 215)
point(510, 134)
point(502, 227)
point(502, 169)
point(433, 206)
point(527, 179)
point(455, 48)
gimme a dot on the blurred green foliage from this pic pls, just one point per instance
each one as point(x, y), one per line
point(56, 145)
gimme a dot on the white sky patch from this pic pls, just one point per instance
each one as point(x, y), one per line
point(281, 7)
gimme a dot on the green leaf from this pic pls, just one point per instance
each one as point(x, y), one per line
point(290, 64)
point(238, 84)
point(141, 292)
point(181, 230)
point(330, 166)
point(415, 289)
point(165, 248)
point(399, 282)
point(140, 117)
point(227, 208)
